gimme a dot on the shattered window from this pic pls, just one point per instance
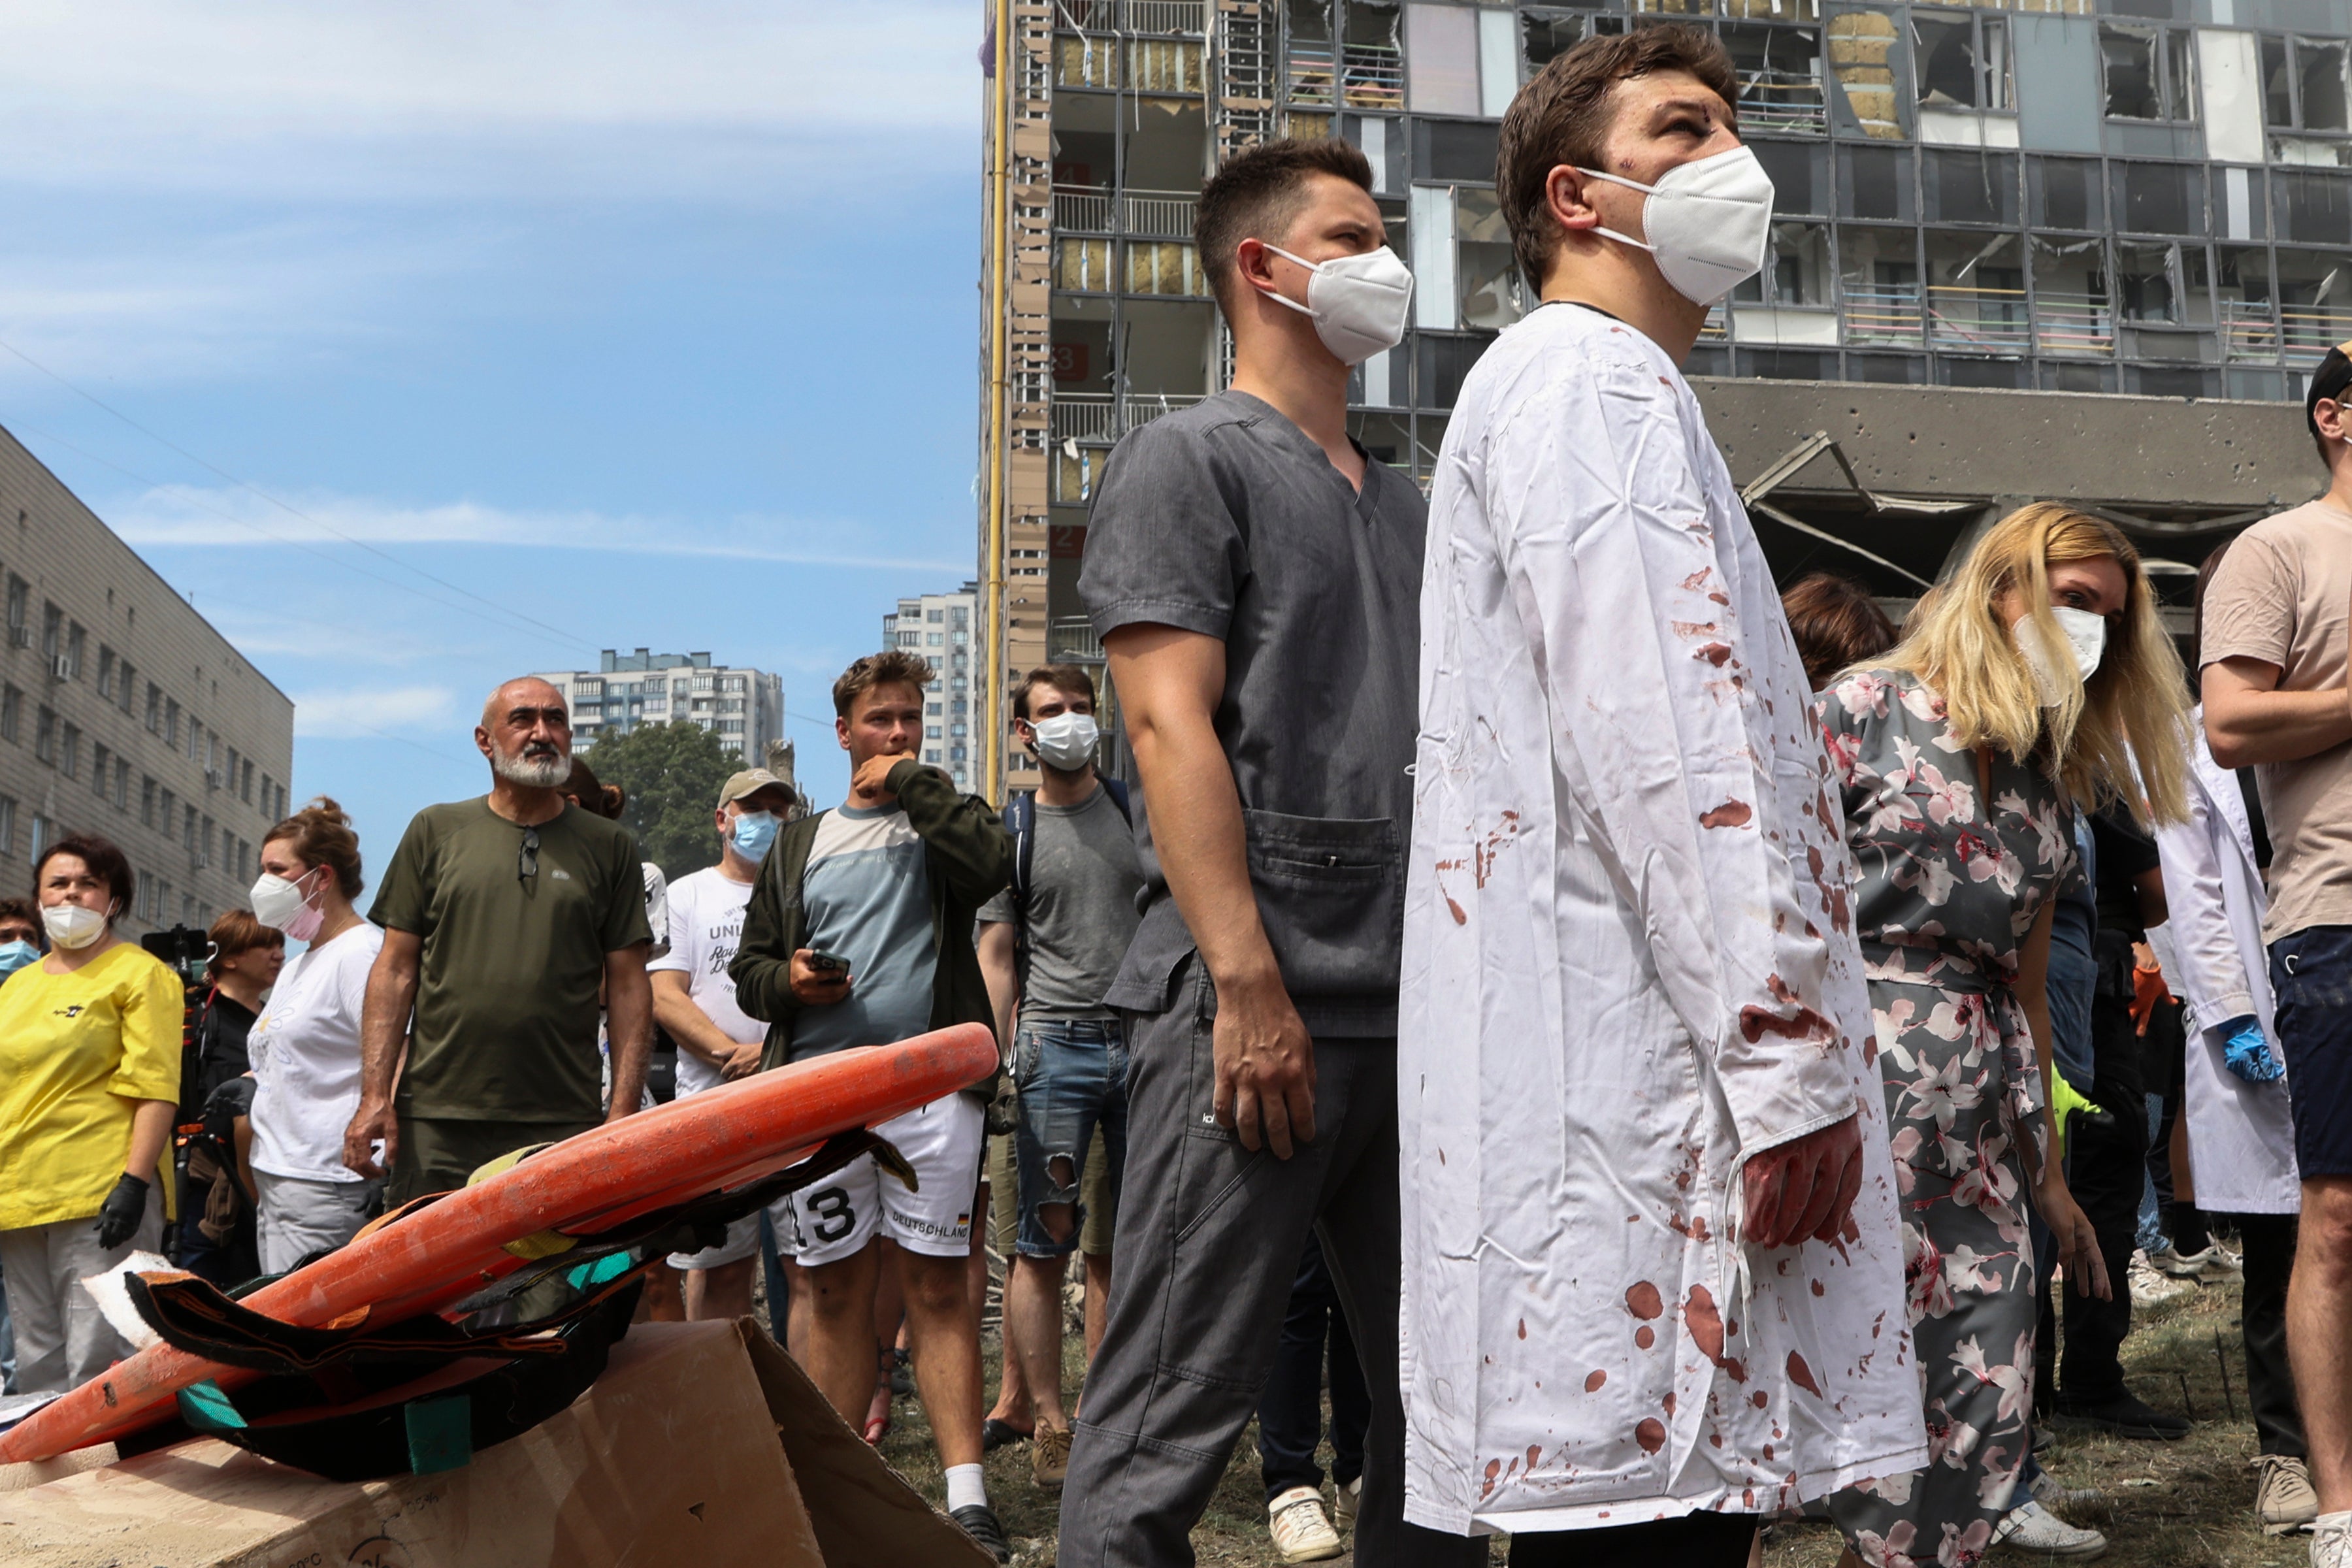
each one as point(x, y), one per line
point(1969, 187)
point(2278, 85)
point(1780, 75)
point(1800, 175)
point(1485, 268)
point(2315, 296)
point(2312, 208)
point(1312, 61)
point(2065, 193)
point(2150, 71)
point(1946, 61)
point(2319, 78)
point(2160, 198)
point(1544, 36)
point(2130, 55)
point(1876, 183)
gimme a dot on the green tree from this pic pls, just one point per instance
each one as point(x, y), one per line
point(672, 774)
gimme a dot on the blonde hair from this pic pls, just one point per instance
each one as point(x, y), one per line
point(2121, 735)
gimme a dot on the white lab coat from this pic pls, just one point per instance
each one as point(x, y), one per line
point(1627, 964)
point(2241, 1134)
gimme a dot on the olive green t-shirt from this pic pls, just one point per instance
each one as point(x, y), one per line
point(506, 989)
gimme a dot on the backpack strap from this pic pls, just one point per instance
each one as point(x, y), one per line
point(1117, 790)
point(1021, 821)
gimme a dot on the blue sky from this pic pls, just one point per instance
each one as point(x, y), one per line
point(656, 325)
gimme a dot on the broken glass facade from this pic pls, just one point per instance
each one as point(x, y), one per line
point(2149, 196)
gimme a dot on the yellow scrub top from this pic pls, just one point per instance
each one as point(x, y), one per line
point(76, 1053)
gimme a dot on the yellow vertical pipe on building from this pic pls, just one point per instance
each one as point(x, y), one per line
point(993, 579)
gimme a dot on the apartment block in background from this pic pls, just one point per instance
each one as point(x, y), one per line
point(2144, 199)
point(942, 628)
point(743, 707)
point(124, 714)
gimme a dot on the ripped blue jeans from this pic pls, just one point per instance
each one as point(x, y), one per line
point(1071, 1075)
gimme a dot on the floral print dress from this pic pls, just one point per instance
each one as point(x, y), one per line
point(1949, 886)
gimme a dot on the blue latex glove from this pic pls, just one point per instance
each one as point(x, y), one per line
point(2248, 1051)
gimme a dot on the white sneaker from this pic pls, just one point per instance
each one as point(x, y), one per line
point(2331, 1540)
point(2179, 1264)
point(2150, 1285)
point(2283, 1500)
point(1301, 1533)
point(1345, 1501)
point(2220, 1265)
point(2030, 1527)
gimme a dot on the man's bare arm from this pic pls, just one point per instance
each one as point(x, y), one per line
point(689, 1025)
point(996, 967)
point(384, 1029)
point(628, 1026)
point(1170, 683)
point(2248, 719)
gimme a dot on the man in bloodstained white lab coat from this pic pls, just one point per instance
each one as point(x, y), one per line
point(1653, 1273)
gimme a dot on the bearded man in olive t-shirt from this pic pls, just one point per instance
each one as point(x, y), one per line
point(503, 920)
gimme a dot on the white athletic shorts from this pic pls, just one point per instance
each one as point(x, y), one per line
point(742, 1240)
point(837, 1217)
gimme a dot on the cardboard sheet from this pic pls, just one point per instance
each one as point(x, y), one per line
point(672, 1457)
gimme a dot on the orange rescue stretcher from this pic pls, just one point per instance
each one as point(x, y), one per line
point(428, 1259)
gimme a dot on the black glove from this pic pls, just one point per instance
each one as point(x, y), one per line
point(119, 1216)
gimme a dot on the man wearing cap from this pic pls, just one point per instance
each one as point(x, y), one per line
point(2274, 668)
point(694, 1000)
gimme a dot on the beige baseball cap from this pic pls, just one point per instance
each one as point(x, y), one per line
point(751, 781)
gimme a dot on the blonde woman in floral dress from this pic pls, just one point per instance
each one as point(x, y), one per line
point(2036, 681)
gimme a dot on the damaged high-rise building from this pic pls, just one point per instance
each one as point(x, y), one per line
point(2086, 249)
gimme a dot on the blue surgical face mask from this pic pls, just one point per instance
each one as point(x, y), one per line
point(14, 955)
point(754, 832)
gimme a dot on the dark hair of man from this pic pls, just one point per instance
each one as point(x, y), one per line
point(892, 666)
point(1564, 116)
point(2330, 379)
point(1836, 623)
point(235, 935)
point(104, 861)
point(23, 913)
point(1069, 680)
point(320, 835)
point(1259, 194)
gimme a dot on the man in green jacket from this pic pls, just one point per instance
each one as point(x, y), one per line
point(859, 933)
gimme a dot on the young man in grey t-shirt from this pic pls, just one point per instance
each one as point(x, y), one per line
point(1050, 946)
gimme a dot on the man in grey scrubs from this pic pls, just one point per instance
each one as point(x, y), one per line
point(1255, 579)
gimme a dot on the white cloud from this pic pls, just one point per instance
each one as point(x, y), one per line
point(345, 713)
point(187, 515)
point(431, 96)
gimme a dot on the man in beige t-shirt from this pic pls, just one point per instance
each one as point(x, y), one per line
point(2274, 664)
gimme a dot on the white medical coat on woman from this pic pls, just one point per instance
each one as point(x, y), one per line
point(1627, 963)
point(2241, 1134)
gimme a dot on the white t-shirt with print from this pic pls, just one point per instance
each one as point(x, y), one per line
point(306, 1058)
point(706, 926)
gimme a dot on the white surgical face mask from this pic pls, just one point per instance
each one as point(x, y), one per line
point(1358, 302)
point(1067, 740)
point(2086, 638)
point(73, 926)
point(281, 906)
point(1709, 223)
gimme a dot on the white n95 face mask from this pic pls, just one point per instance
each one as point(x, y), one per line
point(2086, 638)
point(1709, 223)
point(282, 905)
point(1067, 740)
point(71, 926)
point(1358, 302)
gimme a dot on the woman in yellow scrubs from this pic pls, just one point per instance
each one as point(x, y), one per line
point(89, 1074)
